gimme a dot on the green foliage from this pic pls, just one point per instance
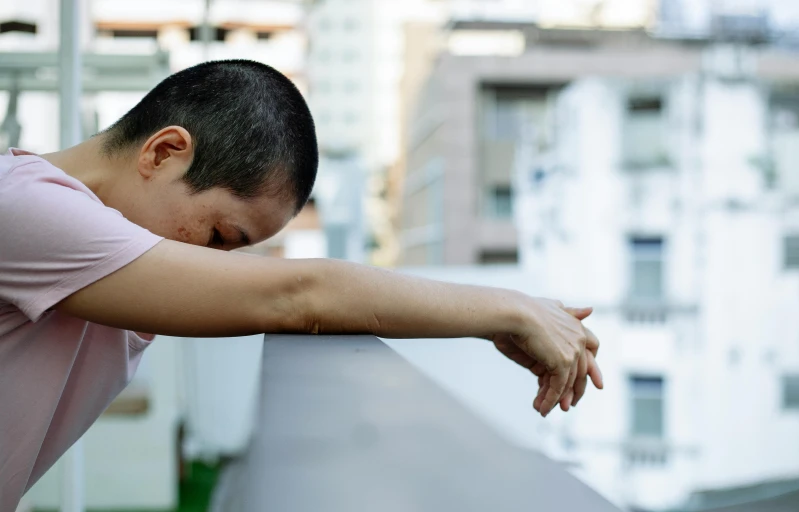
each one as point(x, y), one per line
point(195, 491)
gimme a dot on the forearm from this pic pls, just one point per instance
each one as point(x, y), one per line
point(344, 297)
point(181, 290)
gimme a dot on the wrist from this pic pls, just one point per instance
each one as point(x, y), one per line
point(512, 314)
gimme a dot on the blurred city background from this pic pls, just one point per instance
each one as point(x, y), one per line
point(639, 156)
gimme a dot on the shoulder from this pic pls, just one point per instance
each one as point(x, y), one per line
point(24, 170)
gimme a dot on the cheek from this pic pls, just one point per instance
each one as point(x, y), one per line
point(184, 235)
point(195, 231)
point(185, 219)
point(183, 225)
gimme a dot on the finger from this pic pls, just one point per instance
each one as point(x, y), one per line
point(568, 394)
point(565, 401)
point(582, 381)
point(579, 313)
point(557, 385)
point(542, 391)
point(542, 384)
point(537, 399)
point(594, 372)
point(591, 341)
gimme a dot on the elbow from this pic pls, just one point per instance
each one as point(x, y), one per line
point(291, 307)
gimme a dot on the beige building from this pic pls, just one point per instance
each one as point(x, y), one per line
point(491, 89)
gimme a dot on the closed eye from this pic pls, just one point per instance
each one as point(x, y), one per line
point(216, 239)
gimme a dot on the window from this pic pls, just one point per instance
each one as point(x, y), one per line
point(501, 201)
point(647, 406)
point(351, 117)
point(217, 33)
point(512, 111)
point(645, 106)
point(350, 24)
point(790, 392)
point(132, 33)
point(350, 86)
point(647, 268)
point(18, 26)
point(350, 55)
point(644, 133)
point(322, 55)
point(784, 130)
point(324, 24)
point(499, 257)
point(323, 117)
point(321, 87)
point(511, 116)
point(791, 251)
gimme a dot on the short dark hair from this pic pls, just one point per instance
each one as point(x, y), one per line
point(250, 126)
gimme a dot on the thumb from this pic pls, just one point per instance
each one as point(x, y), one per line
point(580, 313)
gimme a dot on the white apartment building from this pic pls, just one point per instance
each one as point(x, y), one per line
point(671, 206)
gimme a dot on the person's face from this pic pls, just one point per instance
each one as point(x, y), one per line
point(156, 198)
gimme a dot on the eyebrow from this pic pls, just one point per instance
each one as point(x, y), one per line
point(243, 237)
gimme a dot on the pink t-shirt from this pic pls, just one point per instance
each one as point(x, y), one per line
point(57, 373)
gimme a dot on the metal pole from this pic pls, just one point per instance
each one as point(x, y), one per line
point(206, 31)
point(72, 485)
point(10, 128)
point(69, 73)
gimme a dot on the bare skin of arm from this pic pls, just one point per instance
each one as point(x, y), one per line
point(184, 290)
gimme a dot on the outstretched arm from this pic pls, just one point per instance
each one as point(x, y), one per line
point(183, 290)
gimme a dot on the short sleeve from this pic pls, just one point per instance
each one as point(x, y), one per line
point(56, 237)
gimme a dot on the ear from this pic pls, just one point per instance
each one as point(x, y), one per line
point(167, 149)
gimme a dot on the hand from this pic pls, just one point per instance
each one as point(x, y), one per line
point(587, 367)
point(553, 344)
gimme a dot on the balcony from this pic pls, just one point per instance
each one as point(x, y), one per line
point(346, 424)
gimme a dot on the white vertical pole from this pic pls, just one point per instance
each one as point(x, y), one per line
point(206, 31)
point(70, 73)
point(72, 485)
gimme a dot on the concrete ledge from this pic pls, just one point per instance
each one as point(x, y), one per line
point(346, 424)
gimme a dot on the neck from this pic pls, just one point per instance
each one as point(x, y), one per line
point(88, 164)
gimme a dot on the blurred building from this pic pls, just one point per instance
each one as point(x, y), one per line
point(452, 194)
point(669, 201)
point(650, 173)
point(355, 65)
point(454, 176)
point(495, 80)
